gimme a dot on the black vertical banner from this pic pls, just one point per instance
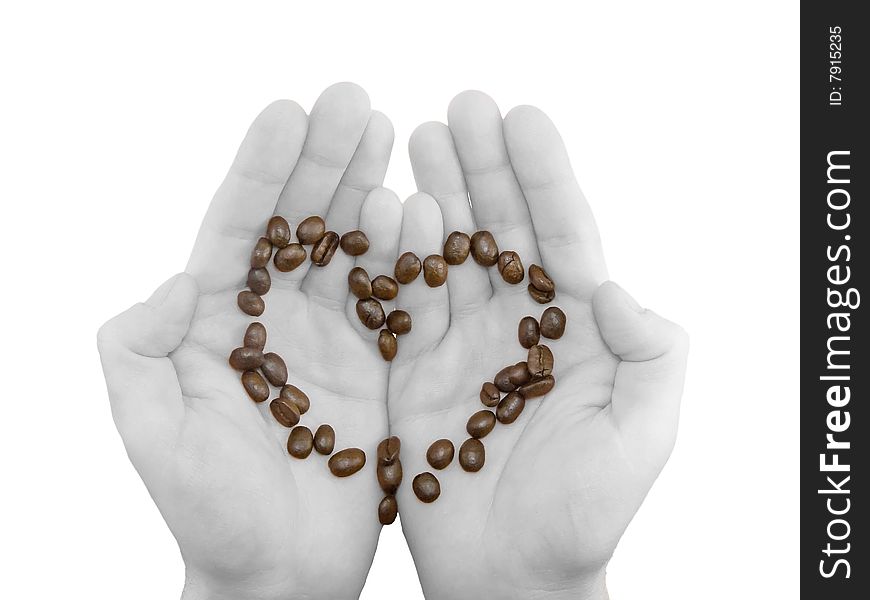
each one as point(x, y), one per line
point(834, 370)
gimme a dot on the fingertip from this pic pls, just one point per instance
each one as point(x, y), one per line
point(383, 203)
point(421, 213)
point(425, 137)
point(344, 95)
point(470, 105)
point(381, 129)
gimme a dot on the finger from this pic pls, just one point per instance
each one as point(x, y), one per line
point(364, 173)
point(649, 380)
point(568, 238)
point(497, 201)
point(246, 199)
point(439, 174)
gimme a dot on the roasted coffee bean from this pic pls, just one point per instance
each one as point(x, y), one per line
point(480, 423)
point(246, 359)
point(539, 296)
point(301, 442)
point(510, 408)
point(390, 476)
point(537, 387)
point(440, 454)
point(434, 270)
point(540, 361)
point(347, 462)
point(359, 283)
point(310, 230)
point(553, 323)
point(278, 231)
point(387, 510)
point(285, 412)
point(290, 257)
point(387, 344)
point(511, 267)
point(324, 439)
point(354, 243)
point(251, 303)
point(472, 455)
point(259, 281)
point(370, 312)
point(538, 277)
point(399, 322)
point(384, 287)
point(261, 253)
point(456, 248)
point(426, 487)
point(528, 332)
point(297, 397)
point(407, 268)
point(502, 380)
point(274, 369)
point(389, 449)
point(519, 374)
point(484, 250)
point(324, 249)
point(255, 385)
point(489, 394)
point(255, 336)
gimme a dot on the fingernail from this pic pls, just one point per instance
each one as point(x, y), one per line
point(630, 302)
point(162, 293)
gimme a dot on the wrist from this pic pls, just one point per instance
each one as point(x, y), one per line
point(197, 587)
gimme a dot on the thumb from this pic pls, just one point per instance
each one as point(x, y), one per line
point(649, 380)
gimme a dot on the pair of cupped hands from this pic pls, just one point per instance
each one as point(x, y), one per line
point(559, 486)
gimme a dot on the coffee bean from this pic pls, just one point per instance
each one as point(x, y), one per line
point(390, 476)
point(255, 385)
point(511, 267)
point(480, 423)
point(296, 396)
point(310, 230)
point(324, 439)
point(359, 283)
point(502, 380)
point(274, 369)
point(370, 312)
point(347, 462)
point(259, 281)
point(278, 231)
point(387, 344)
point(440, 454)
point(389, 449)
point(539, 279)
point(387, 510)
point(324, 249)
point(472, 455)
point(301, 442)
point(537, 387)
point(434, 270)
point(519, 374)
point(539, 296)
point(261, 253)
point(489, 394)
point(456, 248)
point(255, 336)
point(399, 322)
point(484, 250)
point(354, 243)
point(290, 257)
point(510, 408)
point(407, 268)
point(540, 361)
point(426, 487)
point(384, 287)
point(528, 332)
point(553, 323)
point(246, 359)
point(251, 303)
point(284, 411)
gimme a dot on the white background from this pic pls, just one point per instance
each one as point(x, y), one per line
point(118, 121)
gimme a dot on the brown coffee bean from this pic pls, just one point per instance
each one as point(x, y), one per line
point(540, 361)
point(528, 332)
point(480, 423)
point(278, 231)
point(255, 385)
point(324, 439)
point(389, 449)
point(388, 509)
point(472, 455)
point(537, 387)
point(484, 250)
point(519, 374)
point(538, 277)
point(440, 454)
point(502, 380)
point(324, 249)
point(354, 243)
point(301, 442)
point(539, 296)
point(310, 230)
point(370, 312)
point(255, 336)
point(359, 283)
point(489, 394)
point(510, 408)
point(434, 270)
point(456, 248)
point(511, 267)
point(251, 303)
point(390, 476)
point(553, 323)
point(399, 322)
point(261, 253)
point(259, 281)
point(296, 396)
point(387, 344)
point(290, 257)
point(285, 412)
point(426, 487)
point(274, 369)
point(347, 462)
point(246, 359)
point(384, 287)
point(407, 268)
